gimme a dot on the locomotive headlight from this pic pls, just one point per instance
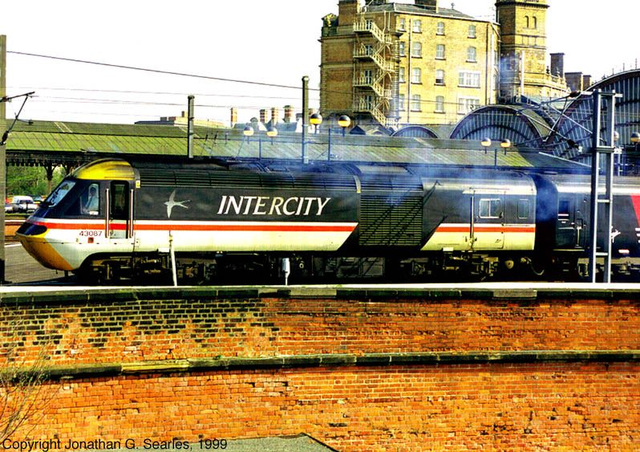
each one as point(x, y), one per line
point(624, 251)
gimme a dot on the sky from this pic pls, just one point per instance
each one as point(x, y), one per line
point(228, 53)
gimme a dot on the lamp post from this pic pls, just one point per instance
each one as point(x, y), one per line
point(344, 121)
point(248, 133)
point(486, 142)
point(305, 116)
point(315, 120)
point(272, 133)
point(504, 144)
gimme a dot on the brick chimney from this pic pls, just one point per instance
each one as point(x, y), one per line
point(274, 115)
point(348, 11)
point(557, 64)
point(263, 115)
point(234, 116)
point(428, 4)
point(288, 113)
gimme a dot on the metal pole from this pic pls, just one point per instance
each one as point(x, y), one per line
point(609, 166)
point(3, 177)
point(3, 75)
point(190, 114)
point(305, 117)
point(3, 193)
point(595, 176)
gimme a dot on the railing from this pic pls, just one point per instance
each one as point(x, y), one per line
point(368, 26)
point(368, 106)
point(374, 54)
point(376, 85)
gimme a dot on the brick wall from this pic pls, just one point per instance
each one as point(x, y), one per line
point(357, 370)
point(471, 407)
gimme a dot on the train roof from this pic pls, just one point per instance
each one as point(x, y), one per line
point(329, 175)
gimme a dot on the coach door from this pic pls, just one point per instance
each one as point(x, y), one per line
point(487, 222)
point(570, 230)
point(119, 221)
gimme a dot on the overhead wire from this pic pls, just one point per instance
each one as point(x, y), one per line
point(156, 71)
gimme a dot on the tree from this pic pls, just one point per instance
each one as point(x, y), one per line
point(23, 394)
point(30, 180)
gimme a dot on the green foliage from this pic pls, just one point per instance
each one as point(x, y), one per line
point(31, 180)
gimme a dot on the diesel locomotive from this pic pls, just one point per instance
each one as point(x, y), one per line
point(263, 222)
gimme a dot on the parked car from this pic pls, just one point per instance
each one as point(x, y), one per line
point(22, 203)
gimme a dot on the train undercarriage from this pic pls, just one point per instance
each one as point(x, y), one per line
point(259, 268)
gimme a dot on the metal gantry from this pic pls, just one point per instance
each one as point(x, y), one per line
point(602, 206)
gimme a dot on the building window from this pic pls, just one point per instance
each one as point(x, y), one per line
point(468, 79)
point(367, 102)
point(472, 31)
point(467, 104)
point(416, 102)
point(416, 75)
point(367, 76)
point(402, 48)
point(402, 25)
point(402, 78)
point(439, 77)
point(440, 29)
point(401, 102)
point(440, 55)
point(472, 55)
point(439, 104)
point(368, 49)
point(531, 22)
point(416, 50)
point(417, 26)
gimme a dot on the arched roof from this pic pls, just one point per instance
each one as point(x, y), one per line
point(575, 125)
point(526, 125)
point(415, 131)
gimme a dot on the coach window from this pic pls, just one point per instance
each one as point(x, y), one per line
point(490, 208)
point(524, 207)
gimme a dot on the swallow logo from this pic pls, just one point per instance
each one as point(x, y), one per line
point(614, 233)
point(173, 203)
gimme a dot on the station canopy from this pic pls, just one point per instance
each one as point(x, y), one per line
point(45, 142)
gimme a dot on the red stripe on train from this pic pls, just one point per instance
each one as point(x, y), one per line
point(486, 228)
point(206, 227)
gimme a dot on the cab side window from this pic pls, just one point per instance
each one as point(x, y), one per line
point(119, 200)
point(91, 200)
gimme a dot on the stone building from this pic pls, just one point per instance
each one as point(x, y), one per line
point(524, 70)
point(395, 63)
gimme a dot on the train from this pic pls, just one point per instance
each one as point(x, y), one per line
point(246, 222)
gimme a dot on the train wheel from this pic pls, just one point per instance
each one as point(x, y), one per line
point(537, 266)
